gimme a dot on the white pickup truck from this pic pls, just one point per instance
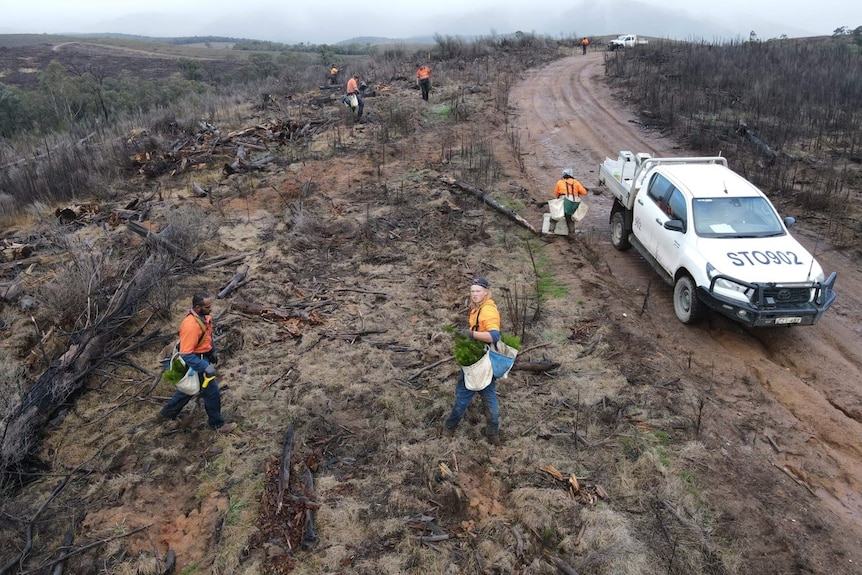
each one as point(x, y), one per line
point(716, 238)
point(625, 41)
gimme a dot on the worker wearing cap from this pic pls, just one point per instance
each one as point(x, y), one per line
point(568, 186)
point(484, 325)
point(333, 75)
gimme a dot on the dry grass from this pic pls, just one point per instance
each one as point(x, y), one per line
point(392, 258)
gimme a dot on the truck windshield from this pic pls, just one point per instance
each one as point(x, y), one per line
point(750, 217)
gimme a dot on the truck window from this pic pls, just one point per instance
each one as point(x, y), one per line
point(658, 191)
point(747, 217)
point(677, 209)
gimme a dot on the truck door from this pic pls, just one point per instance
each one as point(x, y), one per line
point(669, 242)
point(650, 213)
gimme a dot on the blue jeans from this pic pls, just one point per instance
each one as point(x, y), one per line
point(464, 396)
point(212, 404)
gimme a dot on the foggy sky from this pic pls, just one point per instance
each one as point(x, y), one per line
point(295, 21)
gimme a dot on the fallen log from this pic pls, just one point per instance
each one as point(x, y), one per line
point(157, 241)
point(66, 375)
point(559, 563)
point(284, 468)
point(10, 291)
point(28, 261)
point(485, 197)
point(237, 279)
point(744, 130)
point(273, 313)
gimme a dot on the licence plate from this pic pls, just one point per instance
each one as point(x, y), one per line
point(786, 320)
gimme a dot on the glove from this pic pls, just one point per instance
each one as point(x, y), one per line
point(210, 370)
point(213, 358)
point(465, 333)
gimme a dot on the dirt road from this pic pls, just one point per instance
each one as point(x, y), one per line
point(789, 395)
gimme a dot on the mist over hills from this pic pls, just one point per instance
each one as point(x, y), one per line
point(312, 25)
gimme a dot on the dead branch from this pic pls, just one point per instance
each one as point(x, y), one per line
point(309, 535)
point(67, 542)
point(485, 197)
point(66, 374)
point(157, 241)
point(268, 384)
point(351, 335)
point(87, 547)
point(235, 281)
point(361, 291)
point(559, 563)
point(273, 313)
point(431, 538)
point(284, 470)
point(28, 261)
point(10, 291)
point(796, 479)
point(218, 261)
point(537, 366)
point(29, 541)
point(590, 348)
point(427, 367)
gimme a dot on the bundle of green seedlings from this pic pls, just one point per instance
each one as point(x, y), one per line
point(176, 372)
point(468, 351)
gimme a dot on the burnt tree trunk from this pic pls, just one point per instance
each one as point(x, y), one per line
point(66, 374)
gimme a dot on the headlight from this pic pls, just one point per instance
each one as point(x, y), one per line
point(724, 285)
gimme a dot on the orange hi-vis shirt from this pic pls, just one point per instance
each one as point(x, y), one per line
point(352, 86)
point(334, 71)
point(190, 334)
point(489, 317)
point(569, 186)
point(423, 73)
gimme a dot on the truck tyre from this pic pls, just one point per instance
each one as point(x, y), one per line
point(689, 309)
point(620, 232)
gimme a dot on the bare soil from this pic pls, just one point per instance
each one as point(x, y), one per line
point(706, 449)
point(799, 387)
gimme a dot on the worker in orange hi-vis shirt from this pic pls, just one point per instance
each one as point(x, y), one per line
point(353, 90)
point(198, 351)
point(423, 78)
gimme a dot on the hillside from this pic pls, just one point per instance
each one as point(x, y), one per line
point(650, 448)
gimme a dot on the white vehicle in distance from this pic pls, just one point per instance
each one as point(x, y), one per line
point(716, 238)
point(625, 41)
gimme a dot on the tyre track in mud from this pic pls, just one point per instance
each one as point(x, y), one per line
point(804, 380)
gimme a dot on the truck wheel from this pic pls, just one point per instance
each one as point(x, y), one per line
point(688, 308)
point(619, 232)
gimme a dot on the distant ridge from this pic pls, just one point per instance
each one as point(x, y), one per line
point(378, 40)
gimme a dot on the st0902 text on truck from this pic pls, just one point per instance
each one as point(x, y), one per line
point(716, 238)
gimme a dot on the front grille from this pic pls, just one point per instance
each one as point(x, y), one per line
point(785, 295)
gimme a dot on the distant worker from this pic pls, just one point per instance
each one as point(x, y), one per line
point(584, 43)
point(333, 76)
point(572, 189)
point(423, 78)
point(353, 92)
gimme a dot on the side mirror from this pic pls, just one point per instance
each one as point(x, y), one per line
point(675, 226)
point(789, 221)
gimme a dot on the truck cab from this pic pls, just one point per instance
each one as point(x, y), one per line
point(717, 239)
